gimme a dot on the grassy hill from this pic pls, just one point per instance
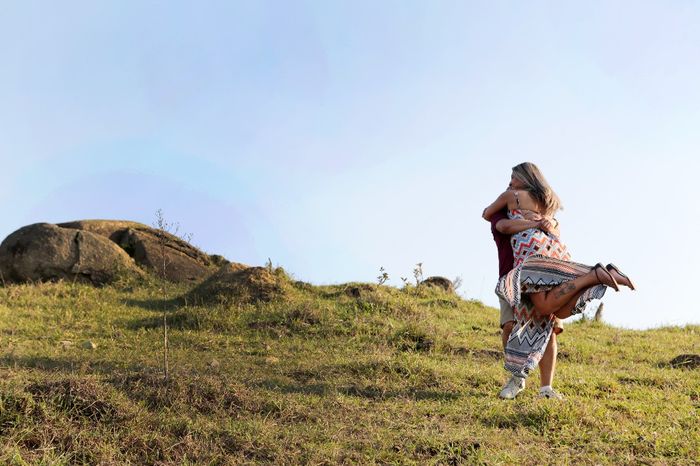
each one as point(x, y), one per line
point(356, 374)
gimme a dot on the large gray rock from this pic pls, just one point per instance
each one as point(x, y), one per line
point(166, 255)
point(112, 229)
point(161, 252)
point(43, 252)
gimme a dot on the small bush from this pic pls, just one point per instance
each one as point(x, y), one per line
point(203, 394)
point(413, 338)
point(81, 399)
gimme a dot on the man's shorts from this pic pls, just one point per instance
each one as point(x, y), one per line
point(507, 316)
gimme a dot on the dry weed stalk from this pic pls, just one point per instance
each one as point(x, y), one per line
point(163, 230)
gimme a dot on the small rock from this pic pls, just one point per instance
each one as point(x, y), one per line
point(357, 291)
point(440, 282)
point(686, 361)
point(214, 363)
point(89, 344)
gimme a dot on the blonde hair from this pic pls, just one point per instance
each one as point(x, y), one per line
point(537, 186)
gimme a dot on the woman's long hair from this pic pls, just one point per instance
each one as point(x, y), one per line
point(537, 186)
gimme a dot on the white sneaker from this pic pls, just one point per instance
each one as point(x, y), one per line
point(550, 393)
point(511, 389)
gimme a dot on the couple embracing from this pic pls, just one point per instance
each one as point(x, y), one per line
point(539, 285)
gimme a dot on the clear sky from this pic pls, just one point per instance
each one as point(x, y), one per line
point(336, 137)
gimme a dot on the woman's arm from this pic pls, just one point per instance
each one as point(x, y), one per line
point(499, 204)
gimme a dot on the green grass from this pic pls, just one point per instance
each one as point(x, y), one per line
point(322, 377)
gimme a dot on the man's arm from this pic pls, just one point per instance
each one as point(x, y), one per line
point(549, 225)
point(511, 227)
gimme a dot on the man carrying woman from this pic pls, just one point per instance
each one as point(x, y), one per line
point(502, 228)
point(543, 284)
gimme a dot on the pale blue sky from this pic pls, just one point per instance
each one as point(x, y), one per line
point(336, 137)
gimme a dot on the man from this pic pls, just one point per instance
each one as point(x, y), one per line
point(502, 228)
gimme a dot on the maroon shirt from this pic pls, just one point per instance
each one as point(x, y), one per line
point(505, 250)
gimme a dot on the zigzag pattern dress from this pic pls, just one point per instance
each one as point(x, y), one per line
point(541, 262)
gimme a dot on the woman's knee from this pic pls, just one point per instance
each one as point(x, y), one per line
point(539, 301)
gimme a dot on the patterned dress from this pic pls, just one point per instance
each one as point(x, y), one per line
point(541, 263)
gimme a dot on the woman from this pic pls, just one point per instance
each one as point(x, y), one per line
point(544, 282)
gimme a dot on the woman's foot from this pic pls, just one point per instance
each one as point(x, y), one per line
point(605, 277)
point(619, 277)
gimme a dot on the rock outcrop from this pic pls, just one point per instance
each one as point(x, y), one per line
point(160, 252)
point(44, 252)
point(112, 229)
point(238, 283)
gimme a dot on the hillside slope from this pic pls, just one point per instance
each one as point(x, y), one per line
point(325, 375)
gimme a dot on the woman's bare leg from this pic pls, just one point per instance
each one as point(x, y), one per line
point(549, 302)
point(567, 309)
